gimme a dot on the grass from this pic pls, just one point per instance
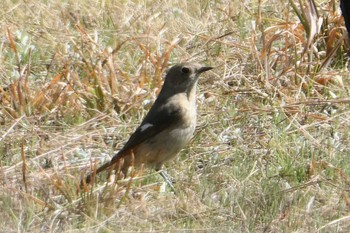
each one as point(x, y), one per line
point(270, 153)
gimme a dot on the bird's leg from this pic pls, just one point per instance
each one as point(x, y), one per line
point(167, 179)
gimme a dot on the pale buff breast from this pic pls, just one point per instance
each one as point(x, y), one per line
point(167, 144)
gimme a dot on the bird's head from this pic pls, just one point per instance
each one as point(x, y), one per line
point(183, 77)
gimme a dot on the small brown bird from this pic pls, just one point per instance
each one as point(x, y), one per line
point(168, 126)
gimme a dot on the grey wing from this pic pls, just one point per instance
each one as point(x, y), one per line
point(157, 120)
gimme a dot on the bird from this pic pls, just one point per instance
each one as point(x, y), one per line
point(166, 129)
point(345, 8)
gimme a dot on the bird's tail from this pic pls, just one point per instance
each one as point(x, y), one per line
point(94, 173)
point(105, 166)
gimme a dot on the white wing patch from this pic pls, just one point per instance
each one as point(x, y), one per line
point(145, 126)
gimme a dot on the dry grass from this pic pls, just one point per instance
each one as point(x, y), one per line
point(270, 153)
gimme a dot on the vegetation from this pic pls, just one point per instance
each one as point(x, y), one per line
point(271, 150)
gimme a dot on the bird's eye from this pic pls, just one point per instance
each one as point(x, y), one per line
point(185, 70)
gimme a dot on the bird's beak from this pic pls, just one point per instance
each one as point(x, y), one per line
point(204, 68)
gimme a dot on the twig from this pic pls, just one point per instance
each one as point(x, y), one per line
point(12, 126)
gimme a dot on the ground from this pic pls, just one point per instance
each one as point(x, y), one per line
point(269, 154)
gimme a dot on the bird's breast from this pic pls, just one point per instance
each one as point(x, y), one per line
point(168, 143)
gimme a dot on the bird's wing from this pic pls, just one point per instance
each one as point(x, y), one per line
point(158, 119)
